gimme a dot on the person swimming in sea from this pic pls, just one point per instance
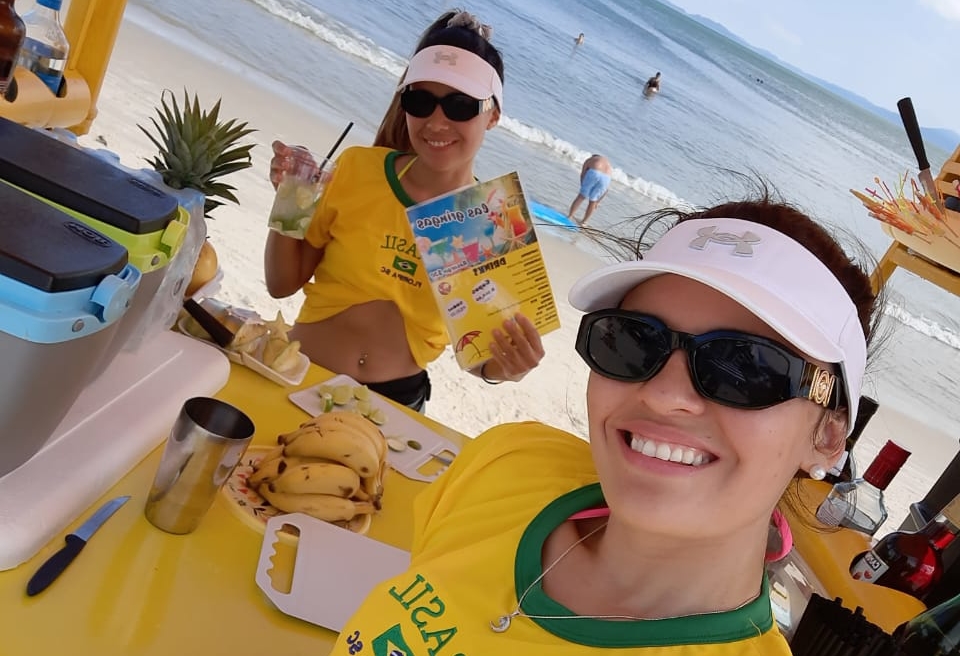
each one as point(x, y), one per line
point(652, 85)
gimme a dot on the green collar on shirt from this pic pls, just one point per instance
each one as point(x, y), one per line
point(748, 621)
point(390, 169)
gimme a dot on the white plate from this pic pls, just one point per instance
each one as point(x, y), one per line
point(422, 445)
point(294, 377)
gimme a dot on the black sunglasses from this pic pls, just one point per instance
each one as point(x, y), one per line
point(456, 106)
point(726, 366)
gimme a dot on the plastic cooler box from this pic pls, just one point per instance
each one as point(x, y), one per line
point(148, 222)
point(64, 288)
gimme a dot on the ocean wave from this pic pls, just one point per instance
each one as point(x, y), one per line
point(349, 42)
point(336, 34)
point(923, 325)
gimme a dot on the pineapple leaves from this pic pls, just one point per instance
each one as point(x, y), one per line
point(195, 148)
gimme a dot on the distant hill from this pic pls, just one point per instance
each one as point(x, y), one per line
point(942, 137)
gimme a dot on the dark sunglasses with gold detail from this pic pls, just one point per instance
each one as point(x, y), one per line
point(730, 367)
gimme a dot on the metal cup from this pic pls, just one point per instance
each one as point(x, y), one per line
point(205, 444)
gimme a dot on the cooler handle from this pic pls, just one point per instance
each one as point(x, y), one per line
point(175, 232)
point(112, 296)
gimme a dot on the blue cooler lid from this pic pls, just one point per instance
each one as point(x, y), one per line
point(59, 278)
point(82, 181)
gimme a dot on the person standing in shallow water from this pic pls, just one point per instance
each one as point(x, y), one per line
point(579, 40)
point(594, 184)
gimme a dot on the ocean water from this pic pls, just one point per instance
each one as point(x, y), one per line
point(722, 108)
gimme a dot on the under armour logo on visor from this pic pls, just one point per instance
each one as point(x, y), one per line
point(743, 244)
point(449, 57)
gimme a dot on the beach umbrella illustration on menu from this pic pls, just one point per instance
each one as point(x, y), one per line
point(468, 339)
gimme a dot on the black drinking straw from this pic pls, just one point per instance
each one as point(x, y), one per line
point(335, 146)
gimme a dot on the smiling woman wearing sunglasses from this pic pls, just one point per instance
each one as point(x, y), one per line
point(723, 365)
point(369, 311)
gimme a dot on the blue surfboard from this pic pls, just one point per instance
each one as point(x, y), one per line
point(550, 215)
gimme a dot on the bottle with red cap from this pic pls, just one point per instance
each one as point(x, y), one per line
point(910, 562)
point(858, 504)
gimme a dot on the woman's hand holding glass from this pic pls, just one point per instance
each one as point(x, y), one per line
point(299, 180)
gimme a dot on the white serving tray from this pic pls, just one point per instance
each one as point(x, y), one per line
point(422, 444)
point(333, 572)
point(295, 377)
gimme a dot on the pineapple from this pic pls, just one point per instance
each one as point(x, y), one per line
point(196, 149)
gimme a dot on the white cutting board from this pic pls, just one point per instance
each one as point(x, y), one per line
point(333, 572)
point(116, 421)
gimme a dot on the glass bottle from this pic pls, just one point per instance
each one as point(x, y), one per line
point(45, 48)
point(858, 504)
point(934, 632)
point(910, 562)
point(12, 32)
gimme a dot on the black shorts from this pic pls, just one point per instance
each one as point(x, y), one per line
point(411, 391)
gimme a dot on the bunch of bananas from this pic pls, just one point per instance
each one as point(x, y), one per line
point(332, 467)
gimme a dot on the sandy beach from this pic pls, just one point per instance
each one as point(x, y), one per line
point(144, 63)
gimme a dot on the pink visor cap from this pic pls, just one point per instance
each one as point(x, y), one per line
point(458, 68)
point(765, 271)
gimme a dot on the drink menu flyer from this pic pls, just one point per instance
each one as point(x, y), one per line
point(484, 263)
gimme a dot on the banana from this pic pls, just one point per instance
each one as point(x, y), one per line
point(287, 438)
point(317, 478)
point(356, 422)
point(266, 470)
point(327, 507)
point(371, 484)
point(345, 446)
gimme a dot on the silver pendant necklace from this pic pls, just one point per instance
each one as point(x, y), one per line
point(502, 623)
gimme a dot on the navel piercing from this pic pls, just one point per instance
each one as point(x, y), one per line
point(363, 359)
point(818, 473)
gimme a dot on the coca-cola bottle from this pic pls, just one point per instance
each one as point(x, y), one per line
point(12, 32)
point(934, 632)
point(910, 562)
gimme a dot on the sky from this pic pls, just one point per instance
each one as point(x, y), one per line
point(882, 50)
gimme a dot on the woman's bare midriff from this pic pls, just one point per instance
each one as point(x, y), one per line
point(366, 342)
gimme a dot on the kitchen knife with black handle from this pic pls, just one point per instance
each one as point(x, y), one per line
point(76, 541)
point(910, 124)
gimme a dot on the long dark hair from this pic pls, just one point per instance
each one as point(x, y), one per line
point(392, 132)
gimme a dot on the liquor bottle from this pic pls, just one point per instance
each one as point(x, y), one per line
point(12, 32)
point(845, 469)
point(934, 632)
point(858, 504)
point(45, 48)
point(910, 562)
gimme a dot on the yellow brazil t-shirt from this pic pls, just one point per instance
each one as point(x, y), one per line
point(477, 547)
point(368, 250)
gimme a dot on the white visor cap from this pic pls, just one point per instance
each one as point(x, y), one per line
point(458, 68)
point(762, 269)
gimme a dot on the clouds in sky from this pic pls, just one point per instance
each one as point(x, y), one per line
point(882, 51)
point(949, 9)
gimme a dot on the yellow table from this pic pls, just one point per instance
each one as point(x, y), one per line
point(137, 590)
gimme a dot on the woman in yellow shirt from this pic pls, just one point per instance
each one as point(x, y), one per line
point(725, 363)
point(369, 310)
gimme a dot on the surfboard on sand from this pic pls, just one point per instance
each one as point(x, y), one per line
point(550, 215)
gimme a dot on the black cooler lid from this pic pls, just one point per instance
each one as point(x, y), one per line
point(45, 248)
point(81, 181)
